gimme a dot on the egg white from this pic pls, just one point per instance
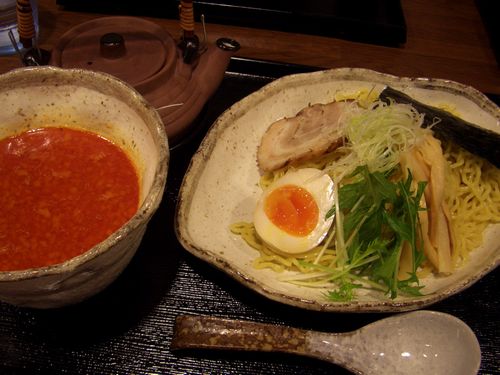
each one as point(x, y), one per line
point(321, 187)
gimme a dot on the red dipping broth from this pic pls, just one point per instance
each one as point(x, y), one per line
point(62, 191)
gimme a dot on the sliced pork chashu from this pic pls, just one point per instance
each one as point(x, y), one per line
point(315, 130)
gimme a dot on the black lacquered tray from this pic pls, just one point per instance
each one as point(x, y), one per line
point(127, 328)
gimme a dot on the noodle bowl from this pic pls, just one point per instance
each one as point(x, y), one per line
point(216, 193)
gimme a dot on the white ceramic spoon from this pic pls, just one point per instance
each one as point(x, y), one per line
point(419, 342)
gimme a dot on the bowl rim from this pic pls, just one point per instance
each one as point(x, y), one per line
point(146, 111)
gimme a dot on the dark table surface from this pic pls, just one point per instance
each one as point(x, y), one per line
point(127, 328)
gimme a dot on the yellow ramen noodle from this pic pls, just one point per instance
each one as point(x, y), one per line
point(473, 187)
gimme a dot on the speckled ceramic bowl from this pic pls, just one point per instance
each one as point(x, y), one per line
point(221, 184)
point(37, 97)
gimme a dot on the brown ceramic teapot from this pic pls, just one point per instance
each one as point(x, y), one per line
point(176, 78)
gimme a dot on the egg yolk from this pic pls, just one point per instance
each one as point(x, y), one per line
point(292, 209)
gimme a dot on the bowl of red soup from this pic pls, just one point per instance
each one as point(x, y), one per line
point(83, 166)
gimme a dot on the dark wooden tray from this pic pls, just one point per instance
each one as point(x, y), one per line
point(127, 328)
point(379, 22)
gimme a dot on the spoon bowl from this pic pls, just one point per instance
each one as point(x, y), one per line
point(419, 342)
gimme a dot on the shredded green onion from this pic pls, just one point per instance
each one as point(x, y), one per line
point(376, 136)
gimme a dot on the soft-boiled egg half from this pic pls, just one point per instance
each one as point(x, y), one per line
point(291, 213)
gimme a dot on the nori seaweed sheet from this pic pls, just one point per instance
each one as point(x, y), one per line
point(479, 141)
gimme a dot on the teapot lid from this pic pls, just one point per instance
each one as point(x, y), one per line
point(132, 49)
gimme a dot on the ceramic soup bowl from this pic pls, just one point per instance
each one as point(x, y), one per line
point(95, 102)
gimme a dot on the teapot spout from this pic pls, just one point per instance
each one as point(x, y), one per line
point(194, 84)
point(212, 65)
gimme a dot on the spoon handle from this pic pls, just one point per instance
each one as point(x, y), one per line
point(208, 332)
